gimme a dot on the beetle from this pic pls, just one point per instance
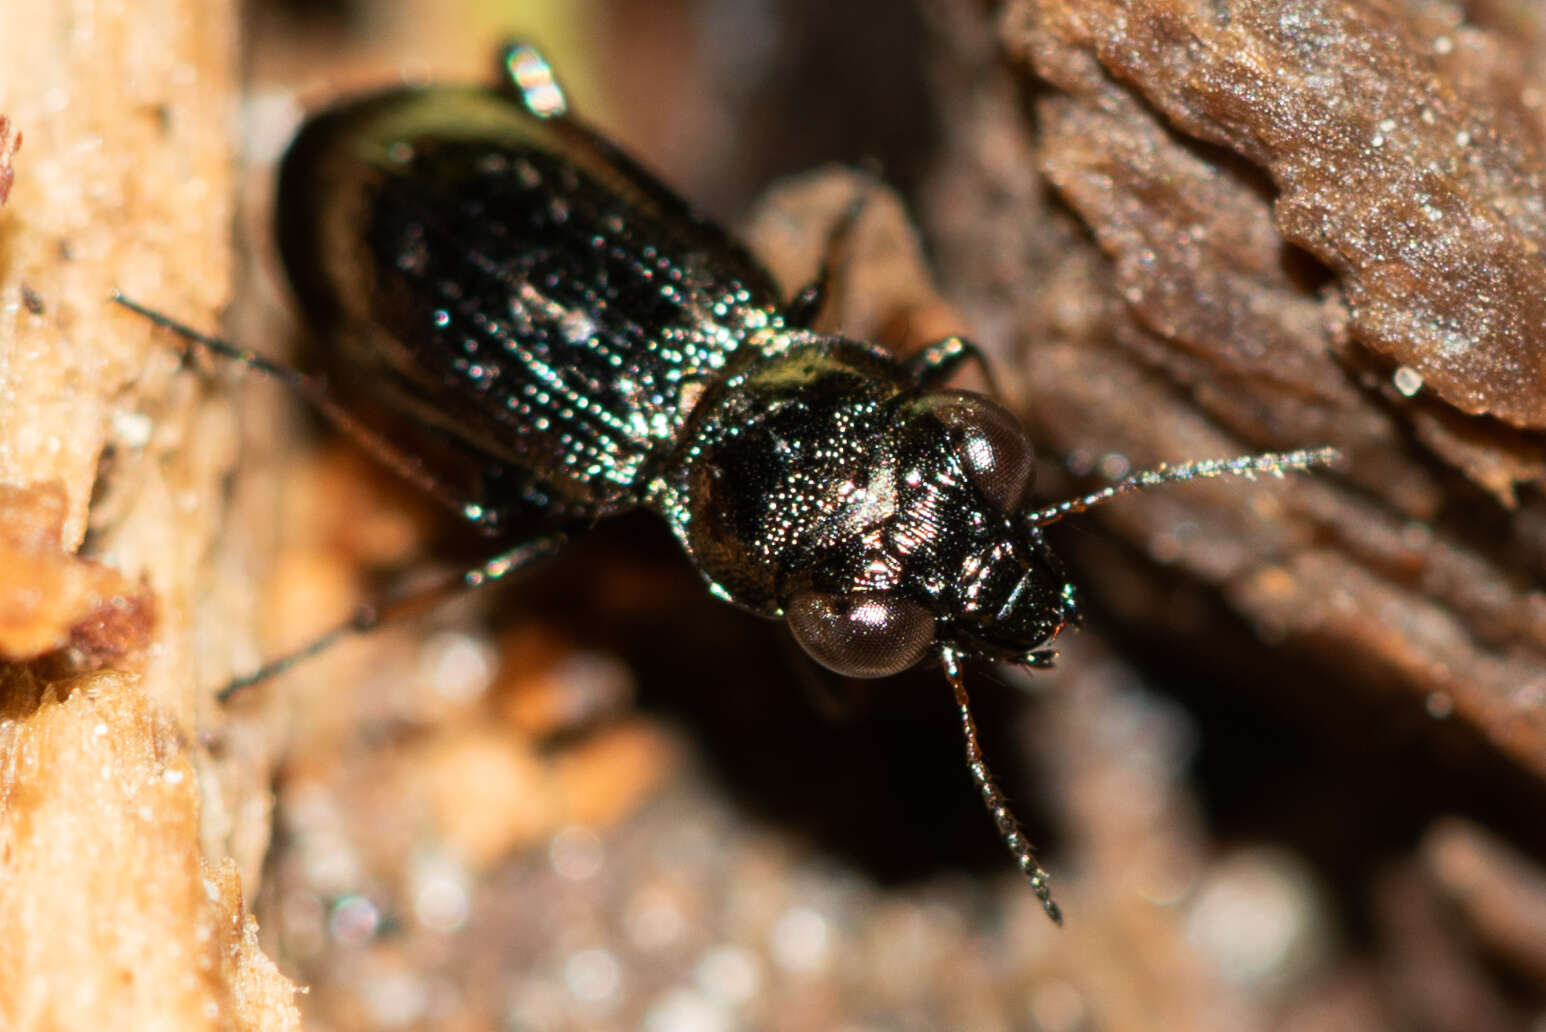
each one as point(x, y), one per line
point(491, 272)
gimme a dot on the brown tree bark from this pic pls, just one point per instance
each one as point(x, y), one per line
point(120, 903)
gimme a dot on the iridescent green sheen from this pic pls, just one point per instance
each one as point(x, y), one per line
point(498, 276)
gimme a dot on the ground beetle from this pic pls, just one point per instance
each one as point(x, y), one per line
point(502, 279)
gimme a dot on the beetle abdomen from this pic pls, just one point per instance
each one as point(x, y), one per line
point(509, 282)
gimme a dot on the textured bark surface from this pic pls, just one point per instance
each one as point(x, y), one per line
point(1311, 223)
point(121, 903)
point(51, 600)
point(114, 916)
point(1398, 158)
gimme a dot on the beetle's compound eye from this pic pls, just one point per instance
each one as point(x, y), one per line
point(992, 446)
point(867, 634)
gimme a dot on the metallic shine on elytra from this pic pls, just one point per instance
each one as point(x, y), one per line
point(505, 284)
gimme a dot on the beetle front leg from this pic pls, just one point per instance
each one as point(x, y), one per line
point(807, 305)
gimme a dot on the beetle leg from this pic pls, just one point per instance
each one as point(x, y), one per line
point(1040, 659)
point(525, 73)
point(808, 304)
point(370, 616)
point(940, 360)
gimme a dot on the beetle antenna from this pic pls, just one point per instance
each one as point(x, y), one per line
point(316, 393)
point(1009, 828)
point(1276, 463)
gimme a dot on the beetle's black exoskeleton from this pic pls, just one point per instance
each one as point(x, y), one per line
point(495, 274)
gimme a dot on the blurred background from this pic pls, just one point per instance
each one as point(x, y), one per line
point(720, 98)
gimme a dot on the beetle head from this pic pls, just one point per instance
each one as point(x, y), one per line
point(925, 549)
